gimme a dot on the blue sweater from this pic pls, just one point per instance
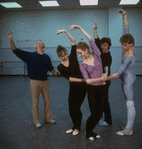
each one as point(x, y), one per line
point(37, 65)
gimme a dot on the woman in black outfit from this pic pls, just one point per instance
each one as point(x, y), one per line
point(69, 68)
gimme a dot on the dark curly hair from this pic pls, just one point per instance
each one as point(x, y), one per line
point(106, 40)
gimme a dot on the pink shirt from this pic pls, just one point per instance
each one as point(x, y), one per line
point(92, 72)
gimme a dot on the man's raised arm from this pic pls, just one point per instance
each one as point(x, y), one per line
point(9, 35)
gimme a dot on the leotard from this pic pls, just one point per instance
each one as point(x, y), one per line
point(128, 76)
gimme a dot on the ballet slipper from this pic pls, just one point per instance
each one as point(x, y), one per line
point(96, 137)
point(93, 136)
point(104, 123)
point(69, 131)
point(75, 132)
point(120, 133)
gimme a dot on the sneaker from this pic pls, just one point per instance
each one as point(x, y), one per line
point(51, 122)
point(104, 123)
point(38, 125)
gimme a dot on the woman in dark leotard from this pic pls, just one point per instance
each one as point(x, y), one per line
point(127, 75)
point(69, 68)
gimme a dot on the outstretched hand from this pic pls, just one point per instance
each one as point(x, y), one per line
point(73, 27)
point(95, 26)
point(122, 12)
point(9, 34)
point(60, 31)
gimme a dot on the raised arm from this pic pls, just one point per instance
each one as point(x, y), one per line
point(96, 37)
point(95, 31)
point(73, 27)
point(69, 35)
point(126, 22)
point(9, 35)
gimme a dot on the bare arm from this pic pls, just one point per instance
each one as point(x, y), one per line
point(126, 22)
point(95, 31)
point(73, 27)
point(69, 35)
point(113, 76)
point(9, 35)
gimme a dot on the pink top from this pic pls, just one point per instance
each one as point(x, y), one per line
point(92, 72)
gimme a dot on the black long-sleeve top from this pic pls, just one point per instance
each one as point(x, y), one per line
point(106, 58)
point(73, 69)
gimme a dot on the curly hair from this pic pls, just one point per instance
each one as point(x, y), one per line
point(106, 40)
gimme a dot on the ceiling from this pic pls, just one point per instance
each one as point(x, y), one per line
point(64, 4)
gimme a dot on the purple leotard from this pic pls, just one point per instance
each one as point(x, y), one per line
point(93, 72)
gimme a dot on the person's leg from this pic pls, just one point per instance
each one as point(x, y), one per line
point(131, 112)
point(35, 91)
point(107, 110)
point(96, 99)
point(47, 101)
point(76, 97)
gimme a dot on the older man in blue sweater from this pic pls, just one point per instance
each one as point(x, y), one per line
point(38, 64)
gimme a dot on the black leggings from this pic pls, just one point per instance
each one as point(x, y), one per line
point(77, 95)
point(96, 99)
point(107, 110)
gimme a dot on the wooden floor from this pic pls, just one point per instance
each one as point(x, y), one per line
point(18, 132)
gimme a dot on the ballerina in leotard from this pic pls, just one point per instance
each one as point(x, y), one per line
point(91, 69)
point(127, 75)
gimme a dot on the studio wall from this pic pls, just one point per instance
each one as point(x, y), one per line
point(28, 27)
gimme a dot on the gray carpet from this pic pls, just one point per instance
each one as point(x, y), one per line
point(18, 132)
